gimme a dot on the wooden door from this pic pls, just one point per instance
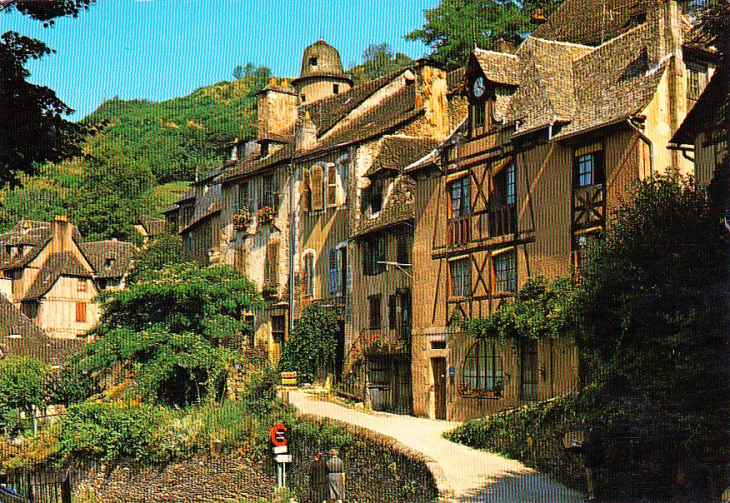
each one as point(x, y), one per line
point(529, 371)
point(438, 366)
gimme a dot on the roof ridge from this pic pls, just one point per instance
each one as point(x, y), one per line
point(497, 52)
point(559, 42)
point(611, 41)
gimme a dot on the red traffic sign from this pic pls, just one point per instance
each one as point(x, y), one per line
point(278, 435)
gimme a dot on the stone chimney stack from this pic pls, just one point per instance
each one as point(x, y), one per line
point(277, 109)
point(306, 133)
point(61, 235)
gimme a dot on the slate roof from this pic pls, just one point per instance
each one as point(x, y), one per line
point(398, 152)
point(31, 235)
point(615, 81)
point(109, 259)
point(547, 90)
point(710, 110)
point(57, 265)
point(587, 22)
point(32, 341)
point(400, 207)
point(499, 67)
point(152, 226)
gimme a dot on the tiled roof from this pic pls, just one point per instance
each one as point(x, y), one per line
point(26, 233)
point(249, 167)
point(592, 22)
point(57, 265)
point(614, 82)
point(710, 111)
point(499, 67)
point(13, 322)
point(455, 80)
point(327, 112)
point(399, 207)
point(547, 82)
point(110, 259)
point(152, 226)
point(214, 209)
point(396, 109)
point(398, 152)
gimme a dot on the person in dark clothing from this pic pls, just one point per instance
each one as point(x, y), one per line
point(336, 476)
point(593, 458)
point(318, 483)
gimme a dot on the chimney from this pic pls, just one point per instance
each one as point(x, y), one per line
point(61, 235)
point(277, 109)
point(306, 133)
point(431, 93)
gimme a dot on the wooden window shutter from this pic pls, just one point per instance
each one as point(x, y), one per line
point(333, 270)
point(317, 188)
point(80, 312)
point(306, 191)
point(332, 186)
point(240, 259)
point(272, 257)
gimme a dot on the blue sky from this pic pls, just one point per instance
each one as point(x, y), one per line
point(160, 49)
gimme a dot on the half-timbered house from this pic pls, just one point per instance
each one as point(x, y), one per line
point(557, 134)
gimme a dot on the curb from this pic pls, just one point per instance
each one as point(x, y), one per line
point(445, 492)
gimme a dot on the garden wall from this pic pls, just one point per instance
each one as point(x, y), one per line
point(378, 469)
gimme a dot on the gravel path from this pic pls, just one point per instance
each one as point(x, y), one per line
point(474, 476)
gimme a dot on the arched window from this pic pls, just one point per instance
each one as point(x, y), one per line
point(482, 375)
point(308, 270)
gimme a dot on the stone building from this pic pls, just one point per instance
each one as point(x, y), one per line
point(555, 137)
point(52, 276)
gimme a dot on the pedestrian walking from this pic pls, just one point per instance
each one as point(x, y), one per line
point(318, 481)
point(336, 477)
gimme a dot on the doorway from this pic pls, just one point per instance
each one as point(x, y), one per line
point(438, 366)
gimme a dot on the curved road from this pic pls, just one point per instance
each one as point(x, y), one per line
point(474, 476)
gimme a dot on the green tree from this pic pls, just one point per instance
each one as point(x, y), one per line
point(542, 310)
point(173, 332)
point(379, 60)
point(32, 125)
point(23, 383)
point(454, 27)
point(164, 250)
point(652, 324)
point(310, 350)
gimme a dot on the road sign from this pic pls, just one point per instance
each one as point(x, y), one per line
point(278, 435)
point(289, 379)
point(283, 458)
point(281, 449)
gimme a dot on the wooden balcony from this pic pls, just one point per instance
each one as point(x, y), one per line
point(459, 230)
point(502, 220)
point(589, 206)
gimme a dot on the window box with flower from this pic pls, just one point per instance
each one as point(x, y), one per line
point(266, 214)
point(270, 290)
point(241, 219)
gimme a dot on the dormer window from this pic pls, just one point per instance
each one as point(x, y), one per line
point(480, 107)
point(313, 61)
point(336, 88)
point(108, 263)
point(304, 98)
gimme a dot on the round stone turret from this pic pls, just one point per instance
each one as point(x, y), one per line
point(322, 74)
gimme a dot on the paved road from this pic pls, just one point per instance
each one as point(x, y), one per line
point(474, 476)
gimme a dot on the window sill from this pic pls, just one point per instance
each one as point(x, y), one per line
point(502, 295)
point(481, 397)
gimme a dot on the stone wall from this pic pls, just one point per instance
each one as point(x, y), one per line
point(378, 469)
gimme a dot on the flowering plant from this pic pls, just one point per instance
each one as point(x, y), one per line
point(241, 219)
point(265, 214)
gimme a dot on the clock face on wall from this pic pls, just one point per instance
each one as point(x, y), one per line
point(478, 87)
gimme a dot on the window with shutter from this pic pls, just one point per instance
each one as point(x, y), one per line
point(317, 188)
point(244, 196)
point(272, 259)
point(306, 191)
point(240, 259)
point(80, 312)
point(343, 183)
point(331, 186)
point(392, 312)
point(309, 273)
point(333, 270)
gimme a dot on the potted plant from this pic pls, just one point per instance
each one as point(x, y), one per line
point(241, 219)
point(265, 214)
point(270, 290)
